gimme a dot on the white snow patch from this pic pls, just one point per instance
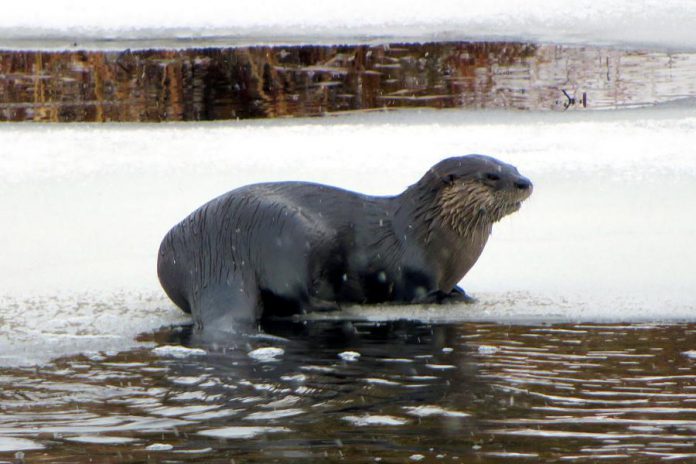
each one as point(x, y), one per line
point(266, 354)
point(690, 354)
point(178, 351)
point(220, 22)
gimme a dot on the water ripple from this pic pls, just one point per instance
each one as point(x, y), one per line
point(468, 391)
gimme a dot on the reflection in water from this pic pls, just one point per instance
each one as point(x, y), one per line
point(257, 82)
point(449, 393)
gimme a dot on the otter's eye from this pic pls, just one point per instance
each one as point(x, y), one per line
point(492, 177)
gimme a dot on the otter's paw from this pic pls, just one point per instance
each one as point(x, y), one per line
point(456, 296)
point(321, 306)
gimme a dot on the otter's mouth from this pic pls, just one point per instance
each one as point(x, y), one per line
point(513, 207)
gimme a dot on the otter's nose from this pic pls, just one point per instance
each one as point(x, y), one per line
point(523, 183)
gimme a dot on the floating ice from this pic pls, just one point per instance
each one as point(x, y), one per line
point(188, 379)
point(427, 411)
point(194, 451)
point(488, 349)
point(159, 447)
point(101, 439)
point(266, 354)
point(440, 367)
point(277, 414)
point(349, 355)
point(294, 378)
point(178, 351)
point(8, 444)
point(241, 432)
point(382, 382)
point(368, 420)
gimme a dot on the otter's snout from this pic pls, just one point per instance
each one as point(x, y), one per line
point(522, 183)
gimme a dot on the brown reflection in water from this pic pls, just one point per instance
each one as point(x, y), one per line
point(267, 82)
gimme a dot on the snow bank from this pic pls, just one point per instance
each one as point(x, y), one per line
point(668, 23)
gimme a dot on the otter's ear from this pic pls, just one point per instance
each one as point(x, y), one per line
point(449, 179)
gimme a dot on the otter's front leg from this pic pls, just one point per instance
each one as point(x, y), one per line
point(315, 304)
point(457, 295)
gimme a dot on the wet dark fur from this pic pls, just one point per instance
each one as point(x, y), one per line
point(287, 247)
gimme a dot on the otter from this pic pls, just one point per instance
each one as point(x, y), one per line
point(276, 249)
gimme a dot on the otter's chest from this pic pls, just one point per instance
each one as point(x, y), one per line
point(452, 260)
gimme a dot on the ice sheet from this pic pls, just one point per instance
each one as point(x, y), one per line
point(608, 233)
point(99, 24)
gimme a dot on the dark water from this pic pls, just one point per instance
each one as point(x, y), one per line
point(282, 81)
point(468, 392)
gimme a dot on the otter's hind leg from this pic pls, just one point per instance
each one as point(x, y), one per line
point(228, 307)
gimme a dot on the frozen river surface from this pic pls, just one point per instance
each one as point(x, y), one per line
point(580, 347)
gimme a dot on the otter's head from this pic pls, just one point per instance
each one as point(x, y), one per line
point(475, 190)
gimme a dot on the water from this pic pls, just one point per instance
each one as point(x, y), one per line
point(310, 80)
point(460, 392)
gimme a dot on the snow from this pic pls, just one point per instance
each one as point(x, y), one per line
point(137, 24)
point(266, 354)
point(178, 351)
point(607, 234)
